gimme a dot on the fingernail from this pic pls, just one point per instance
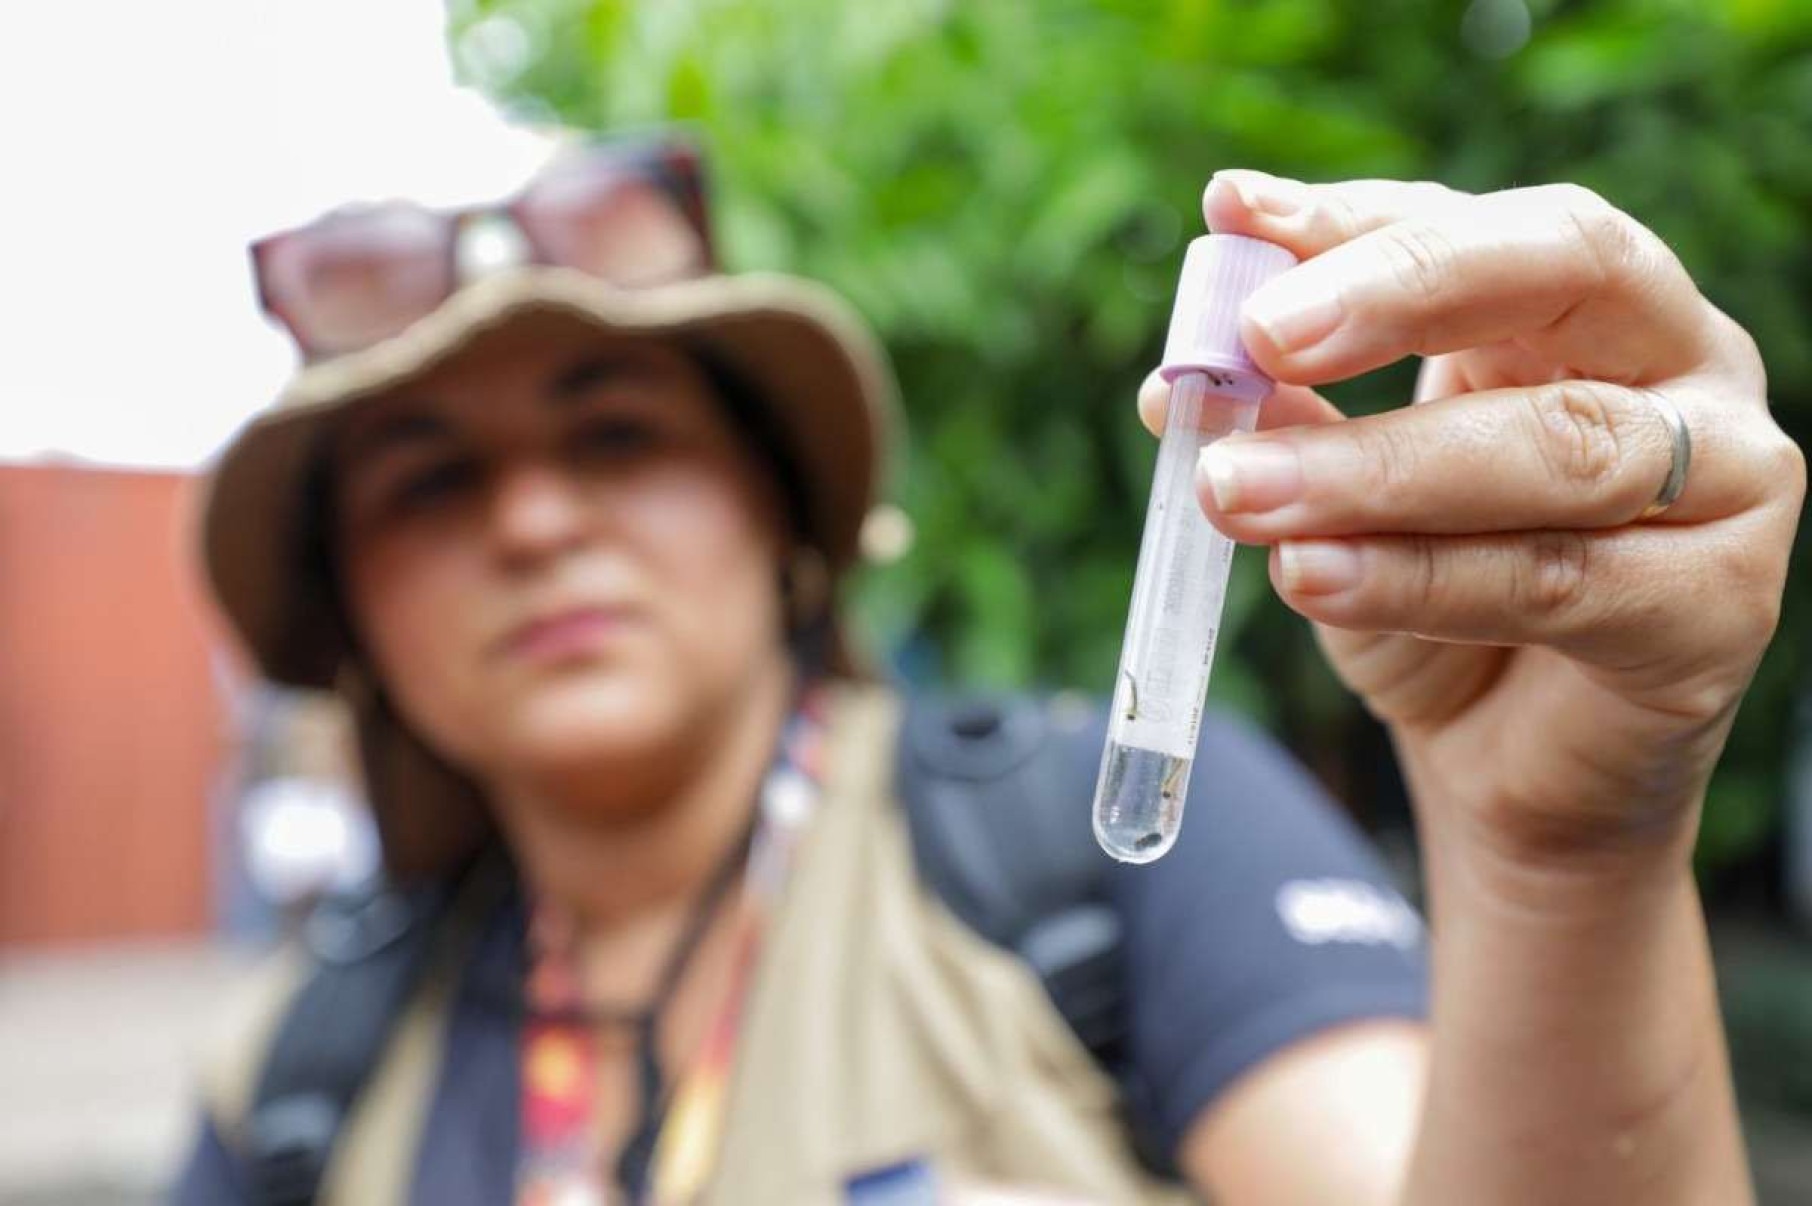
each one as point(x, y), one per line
point(1295, 310)
point(1277, 196)
point(1318, 567)
point(1250, 475)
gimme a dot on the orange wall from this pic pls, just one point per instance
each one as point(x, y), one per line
point(112, 730)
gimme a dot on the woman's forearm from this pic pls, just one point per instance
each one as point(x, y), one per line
point(1577, 1051)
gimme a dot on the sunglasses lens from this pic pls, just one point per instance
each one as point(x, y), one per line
point(356, 278)
point(621, 227)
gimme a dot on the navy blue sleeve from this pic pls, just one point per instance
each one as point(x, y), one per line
point(1269, 920)
point(210, 1177)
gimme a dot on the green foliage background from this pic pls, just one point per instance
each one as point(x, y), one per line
point(1004, 188)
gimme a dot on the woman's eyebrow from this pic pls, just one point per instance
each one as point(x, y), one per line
point(392, 433)
point(583, 376)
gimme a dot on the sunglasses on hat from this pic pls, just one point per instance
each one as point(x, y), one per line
point(632, 214)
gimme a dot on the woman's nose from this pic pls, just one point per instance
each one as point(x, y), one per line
point(537, 509)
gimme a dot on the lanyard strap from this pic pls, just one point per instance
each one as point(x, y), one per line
point(633, 1162)
point(668, 1158)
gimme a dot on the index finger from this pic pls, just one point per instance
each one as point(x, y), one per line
point(1392, 269)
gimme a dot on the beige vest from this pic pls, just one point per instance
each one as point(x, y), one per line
point(880, 1030)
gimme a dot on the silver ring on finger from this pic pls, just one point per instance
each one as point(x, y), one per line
point(1675, 483)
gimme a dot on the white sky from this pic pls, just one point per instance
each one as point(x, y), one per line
point(142, 145)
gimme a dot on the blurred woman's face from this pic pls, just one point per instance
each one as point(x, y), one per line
point(557, 555)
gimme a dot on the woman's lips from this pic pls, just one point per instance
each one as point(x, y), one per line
point(566, 634)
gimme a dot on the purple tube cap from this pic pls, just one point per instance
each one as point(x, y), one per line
point(1220, 271)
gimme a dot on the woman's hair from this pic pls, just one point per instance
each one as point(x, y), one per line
point(752, 419)
point(318, 546)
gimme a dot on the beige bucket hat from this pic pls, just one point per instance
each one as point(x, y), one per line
point(809, 358)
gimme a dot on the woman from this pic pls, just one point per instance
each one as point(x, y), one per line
point(562, 533)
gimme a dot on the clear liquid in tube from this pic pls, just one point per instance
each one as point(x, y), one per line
point(1137, 816)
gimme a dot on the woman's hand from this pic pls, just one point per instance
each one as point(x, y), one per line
point(1558, 669)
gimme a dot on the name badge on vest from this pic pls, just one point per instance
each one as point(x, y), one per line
point(908, 1183)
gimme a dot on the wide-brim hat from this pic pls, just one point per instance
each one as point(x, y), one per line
point(808, 358)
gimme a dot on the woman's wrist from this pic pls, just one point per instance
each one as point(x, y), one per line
point(1510, 860)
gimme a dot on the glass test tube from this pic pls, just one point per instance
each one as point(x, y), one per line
point(1180, 585)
